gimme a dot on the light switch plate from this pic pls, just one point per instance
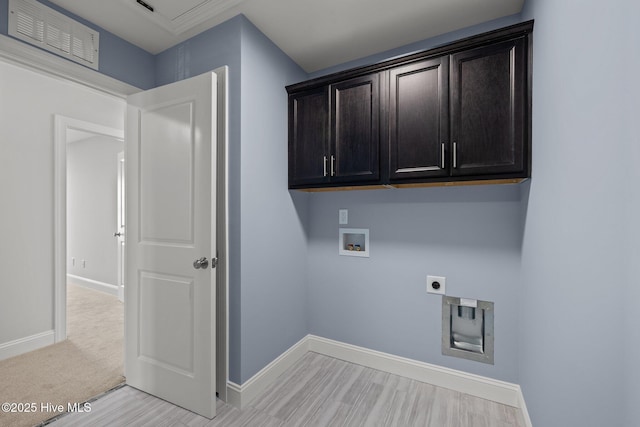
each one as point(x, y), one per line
point(436, 285)
point(343, 216)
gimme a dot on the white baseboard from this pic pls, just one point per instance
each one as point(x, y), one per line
point(523, 409)
point(486, 388)
point(475, 385)
point(241, 395)
point(96, 285)
point(26, 344)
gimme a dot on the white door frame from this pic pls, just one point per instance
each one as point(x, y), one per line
point(120, 225)
point(61, 125)
point(222, 231)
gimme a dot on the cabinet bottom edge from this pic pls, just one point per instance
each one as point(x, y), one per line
point(415, 185)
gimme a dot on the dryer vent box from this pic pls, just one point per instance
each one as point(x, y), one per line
point(467, 329)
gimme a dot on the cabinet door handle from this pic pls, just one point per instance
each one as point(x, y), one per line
point(333, 165)
point(325, 166)
point(442, 156)
point(455, 155)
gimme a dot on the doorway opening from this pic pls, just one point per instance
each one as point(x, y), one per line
point(95, 250)
point(62, 126)
point(95, 211)
point(87, 157)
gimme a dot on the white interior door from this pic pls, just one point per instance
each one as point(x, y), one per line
point(119, 234)
point(170, 294)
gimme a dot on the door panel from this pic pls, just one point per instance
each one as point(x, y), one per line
point(166, 341)
point(355, 109)
point(166, 167)
point(488, 97)
point(419, 119)
point(308, 137)
point(170, 304)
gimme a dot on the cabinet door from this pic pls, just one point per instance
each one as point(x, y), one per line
point(308, 137)
point(488, 107)
point(355, 110)
point(419, 120)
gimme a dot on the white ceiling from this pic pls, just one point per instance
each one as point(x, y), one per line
point(315, 34)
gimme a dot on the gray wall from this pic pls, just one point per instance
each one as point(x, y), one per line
point(632, 291)
point(630, 159)
point(92, 175)
point(578, 268)
point(273, 239)
point(470, 235)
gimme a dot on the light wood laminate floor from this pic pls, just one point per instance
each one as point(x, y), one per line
point(316, 391)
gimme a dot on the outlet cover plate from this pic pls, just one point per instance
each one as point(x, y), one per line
point(433, 279)
point(343, 216)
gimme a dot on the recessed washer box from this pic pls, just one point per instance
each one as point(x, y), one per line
point(354, 242)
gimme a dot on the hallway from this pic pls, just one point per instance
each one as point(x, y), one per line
point(87, 364)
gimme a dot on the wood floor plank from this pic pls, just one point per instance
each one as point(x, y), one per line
point(318, 391)
point(329, 413)
point(315, 399)
point(418, 404)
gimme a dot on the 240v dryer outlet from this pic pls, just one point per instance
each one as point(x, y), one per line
point(436, 285)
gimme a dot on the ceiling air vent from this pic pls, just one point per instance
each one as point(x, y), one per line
point(181, 16)
point(47, 29)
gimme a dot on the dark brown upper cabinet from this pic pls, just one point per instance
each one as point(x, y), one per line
point(355, 132)
point(334, 134)
point(488, 105)
point(308, 137)
point(459, 113)
point(419, 120)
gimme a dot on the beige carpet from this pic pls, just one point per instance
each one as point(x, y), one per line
point(90, 362)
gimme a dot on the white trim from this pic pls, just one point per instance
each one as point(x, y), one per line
point(26, 344)
point(107, 288)
point(222, 195)
point(120, 205)
point(241, 395)
point(234, 394)
point(61, 125)
point(523, 409)
point(475, 385)
point(39, 60)
point(502, 392)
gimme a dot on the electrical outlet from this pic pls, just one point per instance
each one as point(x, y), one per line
point(343, 216)
point(436, 285)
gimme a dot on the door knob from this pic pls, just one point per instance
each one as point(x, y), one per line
point(117, 234)
point(200, 263)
